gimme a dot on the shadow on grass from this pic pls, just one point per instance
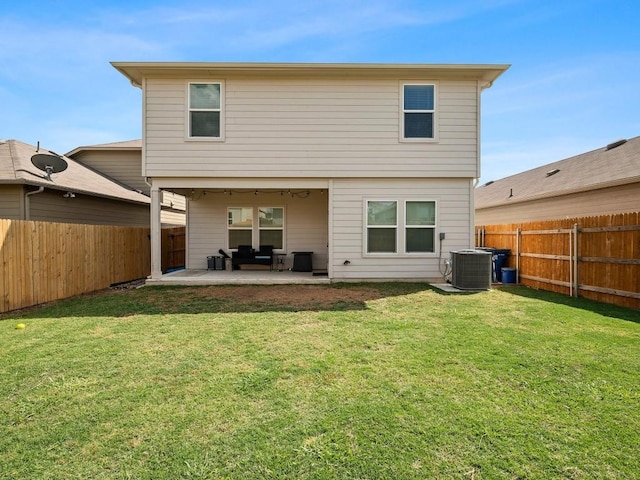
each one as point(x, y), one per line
point(604, 309)
point(446, 293)
point(160, 300)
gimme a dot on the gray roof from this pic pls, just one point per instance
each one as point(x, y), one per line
point(117, 146)
point(16, 168)
point(605, 167)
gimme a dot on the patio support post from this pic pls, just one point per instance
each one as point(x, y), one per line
point(330, 229)
point(156, 237)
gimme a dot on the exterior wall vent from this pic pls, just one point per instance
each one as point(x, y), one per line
point(615, 144)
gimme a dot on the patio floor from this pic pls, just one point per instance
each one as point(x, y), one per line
point(238, 277)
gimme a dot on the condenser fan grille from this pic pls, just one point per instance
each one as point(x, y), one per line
point(471, 270)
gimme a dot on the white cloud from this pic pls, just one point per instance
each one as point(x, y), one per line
point(337, 20)
point(58, 80)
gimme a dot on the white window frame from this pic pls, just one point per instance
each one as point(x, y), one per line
point(230, 228)
point(188, 111)
point(367, 227)
point(401, 228)
point(435, 111)
point(407, 226)
point(255, 226)
point(284, 219)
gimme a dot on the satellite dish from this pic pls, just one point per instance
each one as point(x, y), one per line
point(49, 163)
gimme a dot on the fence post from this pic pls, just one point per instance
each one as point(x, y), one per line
point(570, 263)
point(602, 256)
point(517, 255)
point(575, 260)
point(480, 237)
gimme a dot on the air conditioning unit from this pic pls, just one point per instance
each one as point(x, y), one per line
point(471, 269)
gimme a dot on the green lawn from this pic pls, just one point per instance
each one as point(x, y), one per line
point(376, 381)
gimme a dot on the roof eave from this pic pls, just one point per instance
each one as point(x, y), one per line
point(79, 191)
point(78, 150)
point(560, 193)
point(63, 188)
point(137, 71)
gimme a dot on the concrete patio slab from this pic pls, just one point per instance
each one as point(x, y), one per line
point(238, 277)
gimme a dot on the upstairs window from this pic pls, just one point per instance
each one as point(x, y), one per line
point(418, 111)
point(205, 110)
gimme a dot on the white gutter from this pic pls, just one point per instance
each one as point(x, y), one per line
point(27, 207)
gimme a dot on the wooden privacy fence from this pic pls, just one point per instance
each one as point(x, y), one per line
point(44, 261)
point(592, 257)
point(173, 248)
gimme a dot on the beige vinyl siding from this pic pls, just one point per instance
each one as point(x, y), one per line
point(348, 236)
point(12, 202)
point(604, 201)
point(123, 166)
point(172, 218)
point(280, 127)
point(306, 224)
point(51, 206)
point(126, 167)
point(174, 201)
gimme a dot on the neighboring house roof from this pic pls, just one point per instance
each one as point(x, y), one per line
point(136, 71)
point(129, 145)
point(615, 164)
point(16, 168)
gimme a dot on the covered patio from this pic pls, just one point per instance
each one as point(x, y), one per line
point(289, 215)
point(238, 277)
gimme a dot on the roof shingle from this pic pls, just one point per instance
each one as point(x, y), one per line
point(16, 168)
point(597, 169)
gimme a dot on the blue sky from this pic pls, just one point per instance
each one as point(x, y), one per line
point(574, 84)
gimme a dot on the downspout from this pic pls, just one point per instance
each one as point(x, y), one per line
point(472, 214)
point(27, 206)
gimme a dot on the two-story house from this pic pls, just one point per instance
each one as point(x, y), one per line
point(369, 166)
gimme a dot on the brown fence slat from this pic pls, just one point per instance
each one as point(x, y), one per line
point(544, 232)
point(620, 228)
point(44, 261)
point(622, 261)
point(173, 248)
point(608, 263)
